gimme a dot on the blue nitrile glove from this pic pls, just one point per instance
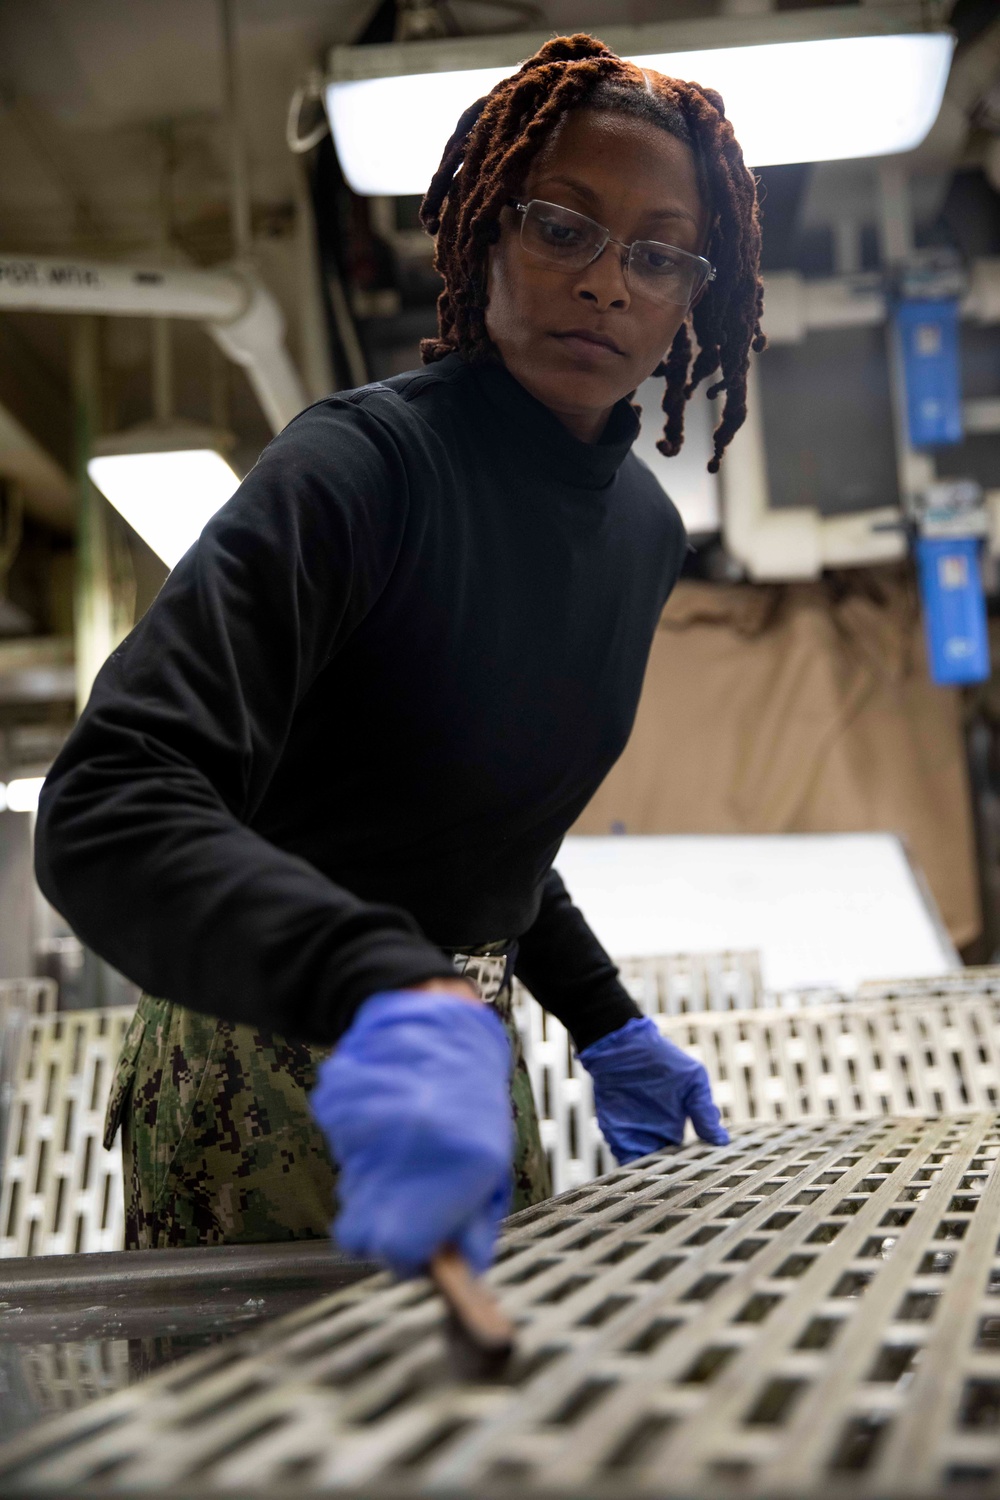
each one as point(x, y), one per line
point(415, 1106)
point(645, 1088)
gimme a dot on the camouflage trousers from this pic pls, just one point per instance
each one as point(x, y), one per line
point(218, 1142)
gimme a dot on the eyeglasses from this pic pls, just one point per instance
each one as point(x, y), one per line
point(560, 237)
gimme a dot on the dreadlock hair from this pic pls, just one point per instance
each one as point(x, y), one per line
point(488, 156)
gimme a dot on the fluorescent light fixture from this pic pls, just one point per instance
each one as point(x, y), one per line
point(811, 98)
point(165, 482)
point(22, 793)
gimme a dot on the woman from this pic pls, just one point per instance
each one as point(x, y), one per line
point(335, 761)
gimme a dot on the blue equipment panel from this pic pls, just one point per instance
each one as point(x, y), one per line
point(951, 587)
point(928, 337)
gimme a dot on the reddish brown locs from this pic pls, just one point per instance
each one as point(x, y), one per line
point(487, 157)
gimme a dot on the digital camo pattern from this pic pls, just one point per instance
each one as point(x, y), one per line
point(219, 1144)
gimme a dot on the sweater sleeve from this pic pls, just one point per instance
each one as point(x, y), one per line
point(142, 837)
point(568, 971)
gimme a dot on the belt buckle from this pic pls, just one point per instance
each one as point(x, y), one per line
point(487, 971)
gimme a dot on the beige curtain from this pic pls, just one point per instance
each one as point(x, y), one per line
point(800, 708)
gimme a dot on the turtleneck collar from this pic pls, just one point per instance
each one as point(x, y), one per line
point(552, 447)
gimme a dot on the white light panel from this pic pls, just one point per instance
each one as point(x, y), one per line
point(166, 497)
point(827, 910)
point(21, 794)
point(820, 100)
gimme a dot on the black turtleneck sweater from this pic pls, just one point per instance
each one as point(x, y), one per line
point(365, 708)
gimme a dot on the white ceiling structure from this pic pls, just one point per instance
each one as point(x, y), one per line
point(94, 89)
point(95, 94)
point(112, 145)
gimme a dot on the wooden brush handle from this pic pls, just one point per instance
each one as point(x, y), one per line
point(471, 1302)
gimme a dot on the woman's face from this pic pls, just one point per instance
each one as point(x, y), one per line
point(639, 183)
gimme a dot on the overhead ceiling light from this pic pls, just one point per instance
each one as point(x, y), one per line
point(21, 794)
point(817, 85)
point(165, 481)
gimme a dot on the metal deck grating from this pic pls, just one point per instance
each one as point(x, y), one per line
point(812, 1309)
point(982, 981)
point(925, 1054)
point(61, 1191)
point(917, 1047)
point(64, 1376)
point(665, 985)
point(19, 1000)
point(673, 983)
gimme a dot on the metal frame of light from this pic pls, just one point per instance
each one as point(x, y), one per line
point(390, 125)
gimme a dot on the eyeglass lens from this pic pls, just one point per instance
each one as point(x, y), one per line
point(571, 241)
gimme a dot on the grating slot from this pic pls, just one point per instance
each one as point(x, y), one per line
point(236, 1444)
point(937, 1263)
point(860, 1439)
point(529, 1272)
point(793, 1266)
point(640, 1441)
point(893, 1361)
point(918, 1307)
point(366, 1364)
point(988, 1335)
point(653, 1336)
point(896, 1218)
point(527, 1366)
point(824, 1234)
point(705, 1234)
point(878, 1247)
point(758, 1307)
point(564, 1289)
point(416, 1384)
point(704, 1288)
point(590, 1238)
point(433, 1445)
point(664, 1225)
point(970, 1477)
point(708, 1364)
point(635, 1212)
point(746, 1249)
point(775, 1402)
point(980, 1405)
point(852, 1284)
point(951, 1229)
point(819, 1333)
point(226, 1402)
point(582, 1400)
point(603, 1312)
point(620, 1252)
point(660, 1268)
point(330, 1342)
point(559, 1227)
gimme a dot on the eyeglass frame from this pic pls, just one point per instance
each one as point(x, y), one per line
point(609, 239)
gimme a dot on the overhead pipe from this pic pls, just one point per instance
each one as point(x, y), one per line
point(235, 307)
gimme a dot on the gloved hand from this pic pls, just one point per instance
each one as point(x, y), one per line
point(415, 1106)
point(644, 1090)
